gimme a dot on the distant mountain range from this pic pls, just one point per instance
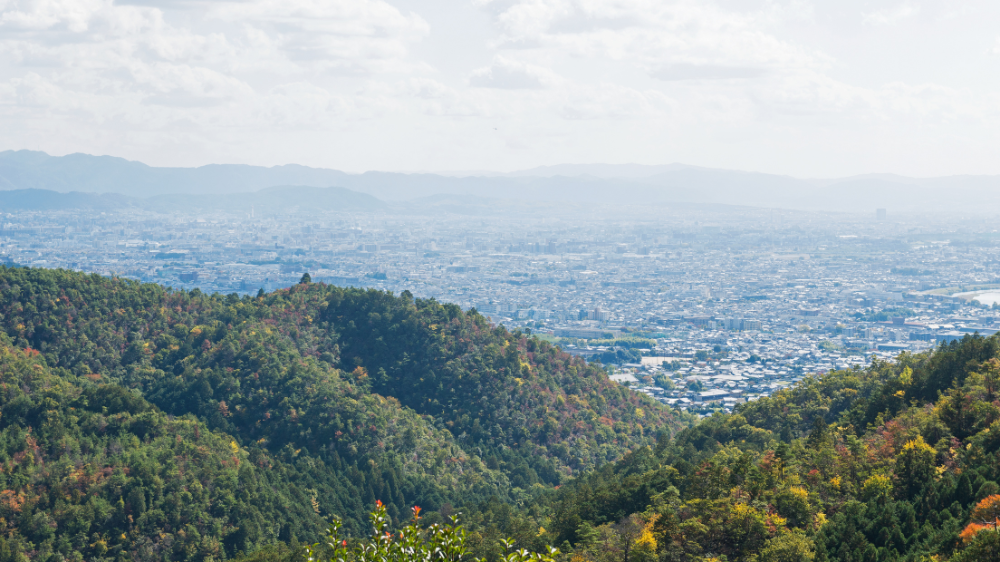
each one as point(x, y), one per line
point(26, 173)
point(279, 199)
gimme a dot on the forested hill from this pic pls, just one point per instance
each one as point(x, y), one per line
point(141, 423)
point(896, 462)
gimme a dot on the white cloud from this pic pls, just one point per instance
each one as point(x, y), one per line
point(891, 16)
point(73, 15)
point(437, 99)
point(612, 101)
point(683, 71)
point(812, 93)
point(718, 55)
point(258, 63)
point(358, 35)
point(532, 81)
point(32, 90)
point(301, 105)
point(509, 74)
point(652, 33)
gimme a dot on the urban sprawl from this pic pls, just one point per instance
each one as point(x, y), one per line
point(702, 308)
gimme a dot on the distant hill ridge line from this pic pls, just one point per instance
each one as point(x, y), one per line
point(282, 198)
point(590, 184)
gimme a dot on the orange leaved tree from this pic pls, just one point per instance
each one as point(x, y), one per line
point(986, 515)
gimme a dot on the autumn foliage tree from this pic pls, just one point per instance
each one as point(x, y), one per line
point(986, 515)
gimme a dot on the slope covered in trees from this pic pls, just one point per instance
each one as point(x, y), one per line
point(893, 462)
point(276, 412)
point(139, 423)
point(94, 469)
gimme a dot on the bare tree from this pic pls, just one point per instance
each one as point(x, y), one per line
point(627, 532)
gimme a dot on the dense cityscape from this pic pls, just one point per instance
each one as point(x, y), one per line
point(700, 307)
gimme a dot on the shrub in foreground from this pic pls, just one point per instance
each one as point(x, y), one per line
point(437, 542)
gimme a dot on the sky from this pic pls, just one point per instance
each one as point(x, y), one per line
point(800, 87)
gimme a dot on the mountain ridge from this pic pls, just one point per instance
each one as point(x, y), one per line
point(280, 199)
point(641, 185)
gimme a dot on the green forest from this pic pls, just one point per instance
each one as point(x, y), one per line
point(142, 423)
point(895, 462)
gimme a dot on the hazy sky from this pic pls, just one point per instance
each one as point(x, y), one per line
point(808, 88)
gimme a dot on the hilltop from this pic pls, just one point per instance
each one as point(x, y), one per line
point(143, 421)
point(888, 463)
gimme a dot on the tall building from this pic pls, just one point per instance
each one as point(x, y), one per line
point(600, 315)
point(880, 214)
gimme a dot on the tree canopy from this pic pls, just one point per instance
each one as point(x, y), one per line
point(143, 423)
